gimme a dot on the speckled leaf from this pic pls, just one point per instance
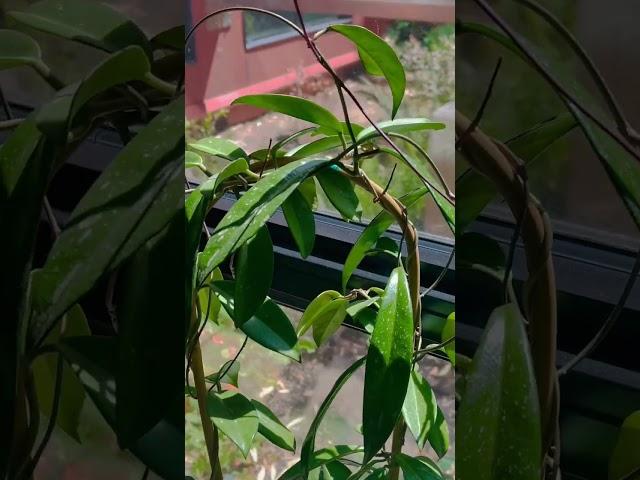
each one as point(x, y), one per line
point(272, 429)
point(388, 364)
point(18, 49)
point(219, 147)
point(253, 275)
point(499, 415)
point(379, 59)
point(252, 211)
point(91, 23)
point(235, 416)
point(420, 408)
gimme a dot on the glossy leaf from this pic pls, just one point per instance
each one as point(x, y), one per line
point(320, 458)
point(317, 146)
point(388, 364)
point(134, 199)
point(307, 453)
point(357, 128)
point(370, 235)
point(439, 434)
point(252, 211)
point(341, 193)
point(272, 429)
point(294, 107)
point(312, 310)
point(399, 125)
point(448, 332)
point(126, 65)
point(420, 468)
point(474, 248)
point(18, 49)
point(254, 273)
point(235, 416)
point(90, 23)
point(420, 408)
point(212, 185)
point(301, 222)
point(499, 415)
point(330, 471)
point(625, 459)
point(193, 160)
point(44, 371)
point(219, 147)
point(379, 59)
point(269, 327)
point(328, 320)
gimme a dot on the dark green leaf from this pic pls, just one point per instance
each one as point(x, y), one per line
point(294, 107)
point(379, 474)
point(91, 23)
point(252, 211)
point(210, 187)
point(499, 411)
point(399, 125)
point(317, 146)
point(370, 235)
point(219, 147)
point(312, 310)
point(319, 458)
point(378, 58)
point(254, 272)
point(624, 458)
point(328, 320)
point(420, 408)
point(420, 468)
point(126, 65)
point(301, 222)
point(330, 471)
point(270, 326)
point(307, 457)
point(149, 350)
point(474, 248)
point(235, 416)
point(134, 199)
point(448, 332)
point(231, 370)
point(272, 429)
point(171, 39)
point(388, 364)
point(439, 435)
point(341, 193)
point(18, 49)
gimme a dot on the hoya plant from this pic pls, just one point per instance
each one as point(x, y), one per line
point(230, 269)
point(509, 408)
point(130, 218)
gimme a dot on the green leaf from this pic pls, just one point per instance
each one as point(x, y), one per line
point(341, 193)
point(499, 411)
point(317, 146)
point(624, 458)
point(294, 107)
point(299, 215)
point(126, 65)
point(210, 187)
point(320, 458)
point(307, 453)
point(134, 199)
point(90, 23)
point(328, 320)
point(269, 327)
point(44, 370)
point(312, 310)
point(420, 408)
point(149, 359)
point(476, 190)
point(474, 248)
point(449, 331)
point(388, 364)
point(219, 147)
point(399, 125)
point(378, 58)
point(252, 211)
point(253, 275)
point(193, 160)
point(330, 471)
point(18, 49)
point(370, 235)
point(420, 468)
point(170, 39)
point(231, 375)
point(379, 474)
point(235, 416)
point(93, 359)
point(345, 130)
point(272, 429)
point(439, 435)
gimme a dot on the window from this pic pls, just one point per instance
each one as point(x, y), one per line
point(260, 30)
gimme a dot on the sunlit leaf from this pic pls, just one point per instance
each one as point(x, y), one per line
point(448, 332)
point(272, 429)
point(420, 408)
point(328, 320)
point(341, 193)
point(319, 458)
point(235, 416)
point(317, 146)
point(439, 434)
point(399, 125)
point(388, 364)
point(624, 459)
point(193, 160)
point(219, 147)
point(312, 310)
point(420, 468)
